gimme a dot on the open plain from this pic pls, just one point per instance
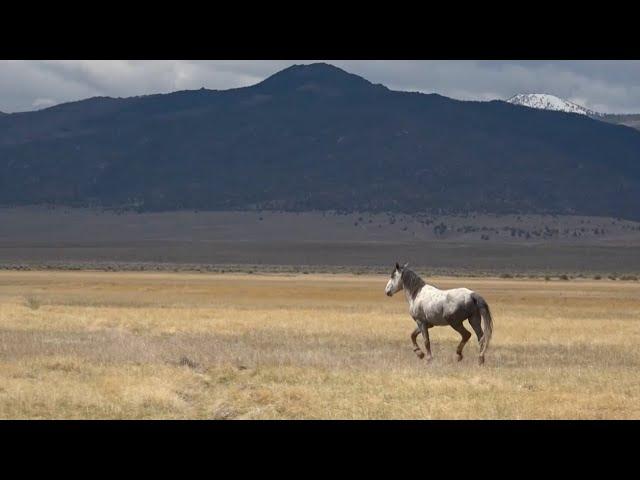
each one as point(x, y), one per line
point(230, 346)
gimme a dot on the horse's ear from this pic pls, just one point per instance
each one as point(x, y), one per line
point(397, 266)
point(405, 265)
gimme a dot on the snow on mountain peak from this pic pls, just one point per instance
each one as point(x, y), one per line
point(545, 101)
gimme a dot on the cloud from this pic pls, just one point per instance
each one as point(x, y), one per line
point(39, 103)
point(608, 86)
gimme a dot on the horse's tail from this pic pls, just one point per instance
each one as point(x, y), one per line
point(487, 322)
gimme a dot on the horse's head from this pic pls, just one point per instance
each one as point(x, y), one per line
point(394, 285)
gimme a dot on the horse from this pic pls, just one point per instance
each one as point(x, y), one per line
point(430, 307)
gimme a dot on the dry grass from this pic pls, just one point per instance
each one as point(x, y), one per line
point(147, 345)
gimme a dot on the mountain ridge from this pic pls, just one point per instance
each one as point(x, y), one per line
point(317, 138)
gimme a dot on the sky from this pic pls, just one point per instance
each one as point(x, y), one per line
point(607, 86)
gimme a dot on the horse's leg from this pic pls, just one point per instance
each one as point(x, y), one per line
point(416, 348)
point(424, 329)
point(466, 335)
point(476, 323)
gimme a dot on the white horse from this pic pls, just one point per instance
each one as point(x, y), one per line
point(430, 306)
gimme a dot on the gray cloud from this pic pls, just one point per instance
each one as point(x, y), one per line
point(606, 86)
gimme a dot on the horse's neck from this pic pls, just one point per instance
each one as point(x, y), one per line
point(407, 293)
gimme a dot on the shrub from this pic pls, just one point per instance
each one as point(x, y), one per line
point(187, 362)
point(32, 302)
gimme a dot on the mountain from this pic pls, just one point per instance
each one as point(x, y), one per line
point(314, 137)
point(544, 101)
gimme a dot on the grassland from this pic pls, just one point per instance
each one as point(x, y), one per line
point(227, 346)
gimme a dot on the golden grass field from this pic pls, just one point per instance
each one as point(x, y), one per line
point(227, 346)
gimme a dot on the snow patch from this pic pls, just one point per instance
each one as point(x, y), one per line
point(544, 101)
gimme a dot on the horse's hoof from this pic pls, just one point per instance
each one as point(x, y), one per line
point(480, 360)
point(458, 356)
point(420, 355)
point(429, 359)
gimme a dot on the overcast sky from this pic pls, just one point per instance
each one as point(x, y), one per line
point(606, 86)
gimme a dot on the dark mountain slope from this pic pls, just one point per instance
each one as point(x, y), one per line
point(316, 137)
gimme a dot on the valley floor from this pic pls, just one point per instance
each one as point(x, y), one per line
point(38, 238)
point(231, 346)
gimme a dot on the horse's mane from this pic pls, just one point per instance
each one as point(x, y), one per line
point(412, 282)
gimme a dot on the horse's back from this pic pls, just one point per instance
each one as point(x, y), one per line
point(444, 306)
point(459, 295)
